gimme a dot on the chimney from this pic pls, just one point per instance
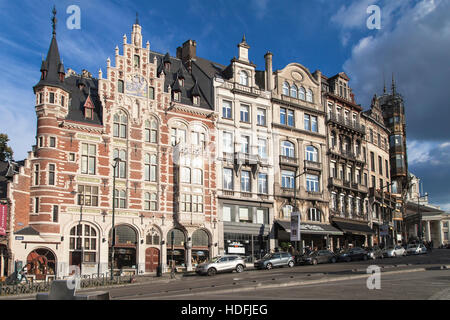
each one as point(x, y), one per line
point(179, 53)
point(188, 53)
point(269, 78)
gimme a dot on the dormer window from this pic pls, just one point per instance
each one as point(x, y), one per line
point(176, 96)
point(181, 81)
point(136, 61)
point(167, 66)
point(243, 78)
point(89, 108)
point(196, 100)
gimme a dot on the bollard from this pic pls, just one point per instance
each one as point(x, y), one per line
point(159, 270)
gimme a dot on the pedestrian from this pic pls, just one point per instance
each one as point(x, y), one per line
point(172, 270)
point(431, 245)
point(23, 275)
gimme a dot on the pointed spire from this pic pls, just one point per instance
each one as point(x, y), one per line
point(243, 38)
point(54, 21)
point(393, 84)
point(137, 18)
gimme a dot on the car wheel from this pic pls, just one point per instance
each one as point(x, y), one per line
point(314, 261)
point(212, 271)
point(290, 264)
point(239, 268)
point(269, 266)
point(333, 260)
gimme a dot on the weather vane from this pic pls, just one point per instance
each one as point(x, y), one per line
point(54, 20)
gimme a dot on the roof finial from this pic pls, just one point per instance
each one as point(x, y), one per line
point(54, 20)
point(243, 38)
point(393, 84)
point(137, 18)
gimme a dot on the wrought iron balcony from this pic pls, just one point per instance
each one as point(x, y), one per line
point(350, 124)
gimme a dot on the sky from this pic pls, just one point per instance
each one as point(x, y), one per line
point(412, 43)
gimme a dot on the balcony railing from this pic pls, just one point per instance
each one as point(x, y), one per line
point(289, 161)
point(241, 88)
point(246, 158)
point(335, 181)
point(313, 165)
point(339, 119)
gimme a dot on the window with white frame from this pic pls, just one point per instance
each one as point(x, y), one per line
point(286, 88)
point(294, 91)
point(84, 238)
point(287, 149)
point(309, 95)
point(150, 201)
point(226, 213)
point(261, 215)
point(243, 78)
point(228, 142)
point(177, 136)
point(311, 154)
point(228, 179)
point(301, 93)
point(287, 117)
point(197, 176)
point(198, 138)
point(186, 203)
point(120, 125)
point(121, 169)
point(245, 181)
point(226, 109)
point(310, 123)
point(245, 144)
point(197, 203)
point(333, 201)
point(150, 165)
point(262, 148)
point(287, 210)
point(244, 215)
point(88, 155)
point(52, 142)
point(312, 183)
point(262, 183)
point(287, 179)
point(151, 131)
point(261, 116)
point(120, 198)
point(185, 175)
point(87, 196)
point(314, 214)
point(245, 113)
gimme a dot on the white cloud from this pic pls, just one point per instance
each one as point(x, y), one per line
point(419, 152)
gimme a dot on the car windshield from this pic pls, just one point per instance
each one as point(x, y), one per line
point(412, 246)
point(267, 256)
point(214, 259)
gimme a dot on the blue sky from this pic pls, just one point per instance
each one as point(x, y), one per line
point(329, 35)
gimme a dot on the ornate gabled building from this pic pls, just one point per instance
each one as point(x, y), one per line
point(347, 155)
point(382, 203)
point(245, 151)
point(147, 128)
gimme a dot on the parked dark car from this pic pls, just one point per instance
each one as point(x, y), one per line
point(353, 254)
point(277, 259)
point(315, 257)
point(375, 253)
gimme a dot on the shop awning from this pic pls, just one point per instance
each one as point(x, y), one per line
point(356, 228)
point(310, 228)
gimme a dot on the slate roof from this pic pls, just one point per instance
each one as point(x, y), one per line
point(27, 231)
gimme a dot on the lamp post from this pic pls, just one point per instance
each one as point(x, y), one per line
point(113, 231)
point(295, 206)
point(79, 229)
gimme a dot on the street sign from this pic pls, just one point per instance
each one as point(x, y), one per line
point(295, 226)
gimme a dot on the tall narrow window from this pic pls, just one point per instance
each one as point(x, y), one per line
point(245, 113)
point(287, 149)
point(120, 199)
point(151, 93)
point(120, 125)
point(311, 154)
point(52, 142)
point(309, 96)
point(52, 97)
point(36, 205)
point(121, 171)
point(51, 174)
point(228, 179)
point(286, 88)
point(283, 115)
point(245, 142)
point(243, 78)
point(245, 181)
point(185, 175)
point(290, 118)
point(226, 109)
point(287, 179)
point(380, 165)
point(120, 86)
point(312, 183)
point(261, 117)
point(151, 131)
point(262, 183)
point(88, 196)
point(36, 174)
point(55, 213)
point(301, 93)
point(88, 155)
point(228, 142)
point(197, 176)
point(137, 61)
point(262, 148)
point(294, 91)
point(150, 201)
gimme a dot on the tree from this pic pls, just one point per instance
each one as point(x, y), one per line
point(6, 152)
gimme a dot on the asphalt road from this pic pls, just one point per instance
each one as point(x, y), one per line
point(421, 284)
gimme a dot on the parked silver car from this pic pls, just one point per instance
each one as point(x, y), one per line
point(396, 251)
point(227, 263)
point(277, 259)
point(416, 249)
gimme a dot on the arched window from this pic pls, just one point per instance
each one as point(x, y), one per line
point(200, 238)
point(124, 235)
point(314, 214)
point(153, 237)
point(243, 78)
point(287, 149)
point(294, 91)
point(83, 238)
point(150, 201)
point(185, 175)
point(175, 237)
point(120, 125)
point(309, 96)
point(333, 139)
point(121, 170)
point(41, 262)
point(286, 88)
point(311, 154)
point(197, 176)
point(151, 131)
point(301, 93)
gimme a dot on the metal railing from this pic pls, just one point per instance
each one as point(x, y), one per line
point(349, 123)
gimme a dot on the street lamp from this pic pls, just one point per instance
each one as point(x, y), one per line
point(113, 231)
point(295, 204)
point(81, 201)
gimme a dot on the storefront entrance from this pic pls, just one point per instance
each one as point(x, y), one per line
point(175, 248)
point(125, 248)
point(41, 263)
point(151, 259)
